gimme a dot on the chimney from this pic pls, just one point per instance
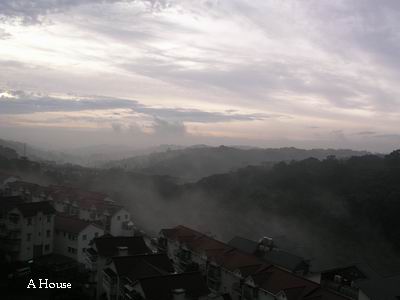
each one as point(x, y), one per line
point(265, 244)
point(122, 251)
point(178, 294)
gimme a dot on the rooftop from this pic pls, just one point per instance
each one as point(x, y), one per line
point(192, 283)
point(71, 224)
point(140, 266)
point(108, 245)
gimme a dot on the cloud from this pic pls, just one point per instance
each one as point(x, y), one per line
point(116, 127)
point(4, 34)
point(20, 102)
point(164, 128)
point(332, 64)
point(366, 132)
point(31, 11)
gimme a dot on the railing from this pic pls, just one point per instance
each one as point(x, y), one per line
point(341, 288)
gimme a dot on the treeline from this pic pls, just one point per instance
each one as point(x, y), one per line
point(342, 195)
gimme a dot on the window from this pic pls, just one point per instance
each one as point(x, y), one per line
point(39, 234)
point(126, 217)
point(47, 247)
point(83, 250)
point(48, 219)
point(96, 234)
point(84, 237)
point(118, 218)
point(48, 233)
point(28, 237)
point(29, 221)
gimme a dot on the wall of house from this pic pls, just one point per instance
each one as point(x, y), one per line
point(362, 296)
point(228, 281)
point(36, 231)
point(84, 239)
point(101, 263)
point(116, 228)
point(264, 295)
point(65, 241)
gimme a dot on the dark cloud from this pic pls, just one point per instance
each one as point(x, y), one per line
point(21, 102)
point(31, 11)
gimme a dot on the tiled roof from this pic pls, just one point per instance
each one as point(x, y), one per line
point(140, 266)
point(244, 244)
point(108, 245)
point(71, 224)
point(274, 280)
point(237, 260)
point(192, 283)
point(8, 203)
point(277, 257)
point(324, 294)
point(33, 208)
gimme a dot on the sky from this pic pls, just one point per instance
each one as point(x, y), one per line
point(268, 73)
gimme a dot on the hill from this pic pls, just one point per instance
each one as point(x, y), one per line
point(194, 163)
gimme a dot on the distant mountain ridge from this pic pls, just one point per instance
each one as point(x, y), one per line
point(194, 163)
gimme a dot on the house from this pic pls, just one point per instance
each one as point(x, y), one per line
point(5, 179)
point(223, 265)
point(26, 229)
point(104, 248)
point(234, 274)
point(273, 282)
point(93, 206)
point(121, 274)
point(31, 192)
point(266, 250)
point(184, 286)
point(361, 282)
point(72, 237)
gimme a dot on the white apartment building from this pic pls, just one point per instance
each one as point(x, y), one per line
point(26, 229)
point(73, 236)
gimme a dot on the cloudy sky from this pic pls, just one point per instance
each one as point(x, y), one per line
point(269, 73)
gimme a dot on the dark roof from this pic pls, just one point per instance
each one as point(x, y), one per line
point(244, 244)
point(140, 266)
point(161, 287)
point(108, 245)
point(383, 288)
point(71, 224)
point(324, 294)
point(284, 259)
point(33, 208)
point(8, 203)
point(274, 280)
point(277, 257)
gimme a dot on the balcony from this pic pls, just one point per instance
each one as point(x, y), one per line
point(110, 281)
point(91, 259)
point(341, 288)
point(214, 278)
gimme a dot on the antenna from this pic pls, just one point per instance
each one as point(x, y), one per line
point(24, 149)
